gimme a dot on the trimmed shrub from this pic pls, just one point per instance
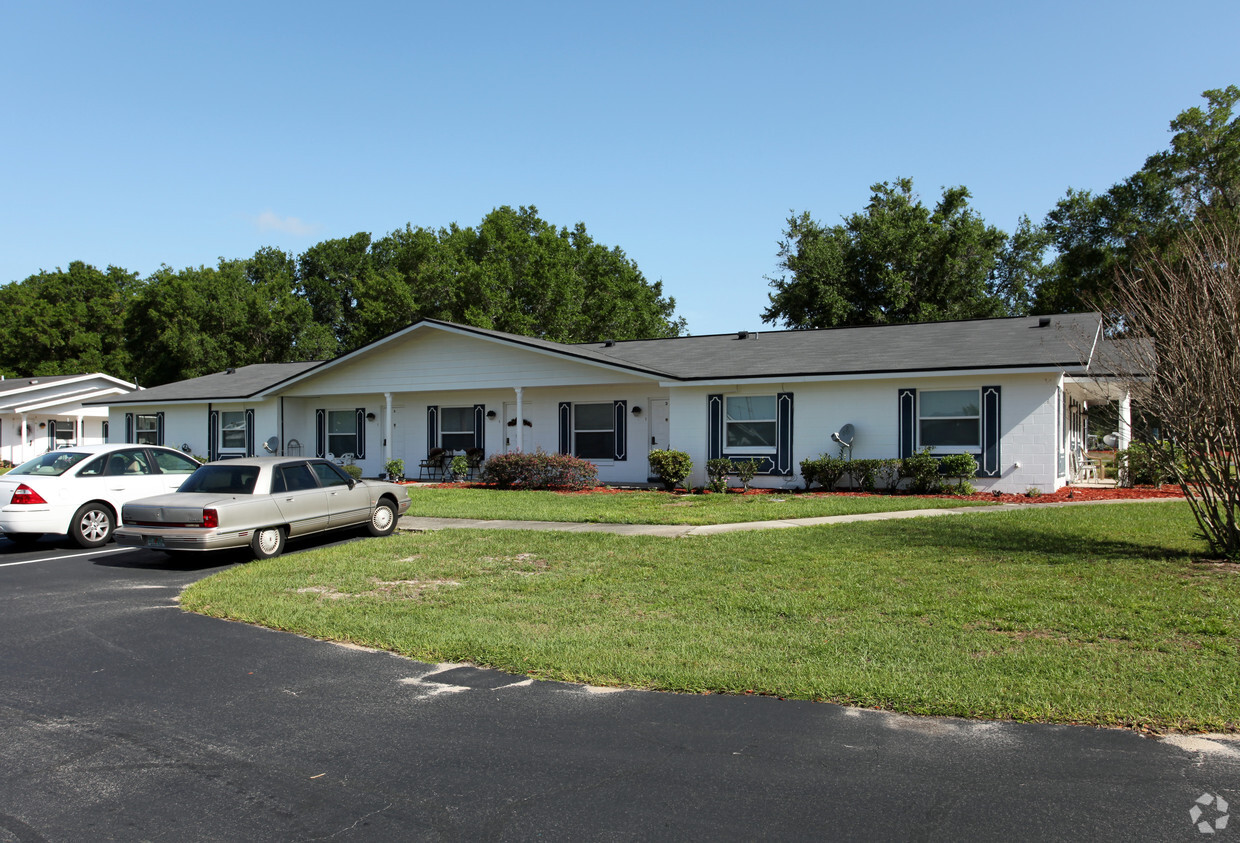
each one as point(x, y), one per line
point(354, 471)
point(961, 467)
point(718, 470)
point(1145, 464)
point(824, 470)
point(922, 471)
point(395, 469)
point(671, 467)
point(887, 475)
point(538, 470)
point(864, 473)
point(745, 472)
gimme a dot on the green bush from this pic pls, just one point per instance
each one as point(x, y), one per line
point(537, 470)
point(1146, 464)
point(717, 471)
point(354, 471)
point(745, 472)
point(395, 469)
point(459, 467)
point(864, 474)
point(671, 467)
point(824, 470)
point(963, 468)
point(922, 471)
point(887, 475)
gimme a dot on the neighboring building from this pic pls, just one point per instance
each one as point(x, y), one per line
point(1012, 392)
point(39, 414)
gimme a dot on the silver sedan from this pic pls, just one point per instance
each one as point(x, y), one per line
point(260, 502)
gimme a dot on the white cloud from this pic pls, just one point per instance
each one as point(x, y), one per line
point(270, 221)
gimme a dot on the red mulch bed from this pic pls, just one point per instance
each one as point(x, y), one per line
point(1067, 493)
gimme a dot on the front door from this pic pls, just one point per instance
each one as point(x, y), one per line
point(660, 428)
point(510, 428)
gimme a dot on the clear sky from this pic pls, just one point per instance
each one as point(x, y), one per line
point(137, 134)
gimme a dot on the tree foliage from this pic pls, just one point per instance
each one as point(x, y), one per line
point(897, 261)
point(514, 272)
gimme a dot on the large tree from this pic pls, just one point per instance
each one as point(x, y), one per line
point(897, 261)
point(67, 322)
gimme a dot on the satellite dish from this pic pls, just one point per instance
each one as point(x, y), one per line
point(845, 436)
point(272, 445)
point(1110, 440)
point(186, 448)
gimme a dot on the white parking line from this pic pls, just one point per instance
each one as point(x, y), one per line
point(70, 556)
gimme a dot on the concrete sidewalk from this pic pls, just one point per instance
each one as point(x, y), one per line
point(415, 523)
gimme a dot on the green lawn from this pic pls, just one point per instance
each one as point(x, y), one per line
point(651, 507)
point(1090, 614)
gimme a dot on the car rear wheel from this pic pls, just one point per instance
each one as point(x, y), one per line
point(92, 525)
point(383, 519)
point(267, 543)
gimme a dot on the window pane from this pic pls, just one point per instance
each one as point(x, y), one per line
point(594, 417)
point(750, 435)
point(595, 446)
point(456, 419)
point(170, 462)
point(328, 475)
point(745, 407)
point(298, 478)
point(954, 402)
point(232, 430)
point(456, 441)
point(951, 432)
point(342, 421)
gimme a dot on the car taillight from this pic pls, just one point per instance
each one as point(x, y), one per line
point(210, 518)
point(25, 494)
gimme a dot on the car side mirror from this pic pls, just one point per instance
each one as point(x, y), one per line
point(352, 483)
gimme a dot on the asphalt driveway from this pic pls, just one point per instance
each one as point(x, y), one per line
point(124, 718)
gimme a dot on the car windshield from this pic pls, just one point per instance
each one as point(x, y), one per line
point(51, 464)
point(222, 480)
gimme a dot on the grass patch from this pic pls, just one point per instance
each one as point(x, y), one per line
point(652, 507)
point(1086, 615)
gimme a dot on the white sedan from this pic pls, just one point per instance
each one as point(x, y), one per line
point(79, 491)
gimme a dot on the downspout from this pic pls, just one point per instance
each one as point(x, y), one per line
point(387, 429)
point(281, 412)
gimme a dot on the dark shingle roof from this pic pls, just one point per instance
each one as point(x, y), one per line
point(242, 383)
point(1021, 342)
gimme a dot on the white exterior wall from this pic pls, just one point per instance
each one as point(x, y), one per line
point(1027, 424)
point(186, 424)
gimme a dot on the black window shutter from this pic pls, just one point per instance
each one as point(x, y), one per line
point(991, 462)
point(714, 427)
point(320, 433)
point(566, 427)
point(432, 427)
point(159, 428)
point(361, 433)
point(128, 428)
point(621, 411)
point(213, 435)
point(480, 426)
point(783, 433)
point(249, 433)
point(908, 422)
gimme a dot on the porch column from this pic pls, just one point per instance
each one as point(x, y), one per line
point(387, 427)
point(1124, 434)
point(81, 431)
point(520, 422)
point(22, 444)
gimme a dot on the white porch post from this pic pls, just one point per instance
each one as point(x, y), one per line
point(520, 422)
point(1124, 434)
point(81, 432)
point(22, 443)
point(387, 426)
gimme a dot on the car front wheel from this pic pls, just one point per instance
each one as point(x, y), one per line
point(267, 543)
point(92, 525)
point(383, 519)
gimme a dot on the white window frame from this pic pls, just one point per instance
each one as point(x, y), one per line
point(152, 431)
point(950, 449)
point(472, 431)
point(751, 449)
point(70, 425)
point(352, 434)
point(611, 413)
point(230, 449)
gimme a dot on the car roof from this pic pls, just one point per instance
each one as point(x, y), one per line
point(266, 461)
point(108, 448)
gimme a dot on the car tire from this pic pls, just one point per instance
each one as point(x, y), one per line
point(267, 543)
point(23, 539)
point(92, 524)
point(383, 519)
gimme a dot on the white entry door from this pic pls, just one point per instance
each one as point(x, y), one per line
point(510, 430)
point(660, 426)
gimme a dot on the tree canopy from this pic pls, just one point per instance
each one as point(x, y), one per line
point(514, 272)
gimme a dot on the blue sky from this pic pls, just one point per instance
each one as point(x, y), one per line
point(144, 133)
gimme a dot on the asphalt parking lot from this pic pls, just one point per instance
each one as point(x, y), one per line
point(124, 718)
